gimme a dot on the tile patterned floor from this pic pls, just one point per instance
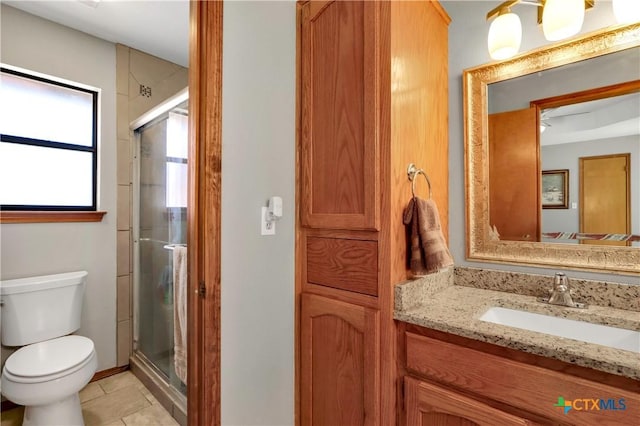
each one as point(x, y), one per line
point(119, 400)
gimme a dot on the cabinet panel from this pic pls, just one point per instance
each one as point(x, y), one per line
point(431, 405)
point(524, 386)
point(338, 138)
point(339, 363)
point(345, 264)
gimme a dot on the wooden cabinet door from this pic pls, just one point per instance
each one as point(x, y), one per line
point(514, 176)
point(430, 405)
point(339, 147)
point(339, 365)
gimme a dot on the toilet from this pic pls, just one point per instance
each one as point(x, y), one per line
point(47, 372)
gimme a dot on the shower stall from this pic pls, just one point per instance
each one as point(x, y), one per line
point(159, 232)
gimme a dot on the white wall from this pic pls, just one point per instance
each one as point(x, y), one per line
point(258, 148)
point(38, 249)
point(468, 48)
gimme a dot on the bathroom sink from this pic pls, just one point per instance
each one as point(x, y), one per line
point(613, 337)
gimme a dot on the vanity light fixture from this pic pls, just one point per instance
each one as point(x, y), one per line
point(505, 35)
point(560, 19)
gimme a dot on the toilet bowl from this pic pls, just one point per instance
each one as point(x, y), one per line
point(47, 372)
point(46, 377)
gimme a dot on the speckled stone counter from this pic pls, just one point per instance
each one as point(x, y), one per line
point(439, 302)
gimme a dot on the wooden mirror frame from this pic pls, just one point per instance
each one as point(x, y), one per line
point(479, 244)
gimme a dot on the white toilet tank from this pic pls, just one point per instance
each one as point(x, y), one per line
point(35, 309)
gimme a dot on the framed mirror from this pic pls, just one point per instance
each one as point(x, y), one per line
point(505, 160)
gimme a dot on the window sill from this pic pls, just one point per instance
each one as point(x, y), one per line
point(49, 217)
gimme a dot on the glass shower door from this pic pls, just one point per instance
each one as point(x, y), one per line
point(161, 222)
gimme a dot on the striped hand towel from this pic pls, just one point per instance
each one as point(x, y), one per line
point(429, 251)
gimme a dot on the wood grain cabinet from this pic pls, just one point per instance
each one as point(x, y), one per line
point(340, 362)
point(339, 105)
point(454, 381)
point(430, 405)
point(372, 98)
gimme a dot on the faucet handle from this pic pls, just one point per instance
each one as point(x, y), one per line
point(561, 293)
point(560, 282)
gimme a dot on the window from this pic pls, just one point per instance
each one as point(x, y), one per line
point(48, 144)
point(177, 152)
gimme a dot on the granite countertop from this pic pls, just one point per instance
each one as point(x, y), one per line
point(436, 302)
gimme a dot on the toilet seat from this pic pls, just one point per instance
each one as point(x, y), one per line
point(49, 360)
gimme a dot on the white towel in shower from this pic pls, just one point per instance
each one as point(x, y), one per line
point(180, 312)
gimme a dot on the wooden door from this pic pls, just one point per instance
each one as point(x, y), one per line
point(430, 405)
point(339, 144)
point(514, 175)
point(339, 365)
point(604, 196)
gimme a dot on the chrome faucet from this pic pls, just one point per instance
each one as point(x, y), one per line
point(561, 293)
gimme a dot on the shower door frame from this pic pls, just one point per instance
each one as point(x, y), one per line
point(150, 118)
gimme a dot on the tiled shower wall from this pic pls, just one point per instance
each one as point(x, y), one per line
point(142, 82)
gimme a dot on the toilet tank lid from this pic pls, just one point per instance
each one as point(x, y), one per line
point(22, 285)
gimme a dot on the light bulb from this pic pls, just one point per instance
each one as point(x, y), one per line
point(505, 36)
point(626, 11)
point(562, 18)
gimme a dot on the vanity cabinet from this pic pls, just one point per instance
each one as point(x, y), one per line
point(450, 380)
point(430, 405)
point(372, 98)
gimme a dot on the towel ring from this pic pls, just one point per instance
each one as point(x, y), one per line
point(412, 171)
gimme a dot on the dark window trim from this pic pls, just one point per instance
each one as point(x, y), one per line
point(93, 148)
point(19, 140)
point(46, 208)
point(46, 80)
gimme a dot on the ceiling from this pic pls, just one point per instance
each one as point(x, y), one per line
point(157, 27)
point(606, 118)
